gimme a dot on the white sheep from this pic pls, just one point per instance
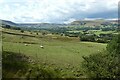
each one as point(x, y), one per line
point(26, 44)
point(42, 46)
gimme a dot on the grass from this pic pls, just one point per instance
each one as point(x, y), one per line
point(61, 52)
point(97, 32)
point(54, 51)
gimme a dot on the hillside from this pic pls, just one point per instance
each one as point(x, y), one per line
point(33, 25)
point(52, 25)
point(5, 22)
point(60, 53)
point(94, 22)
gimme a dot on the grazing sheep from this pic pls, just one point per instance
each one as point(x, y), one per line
point(26, 44)
point(42, 46)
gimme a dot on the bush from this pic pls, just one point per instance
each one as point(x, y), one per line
point(17, 65)
point(101, 65)
point(40, 72)
point(102, 40)
point(90, 38)
point(36, 33)
point(104, 64)
point(114, 45)
point(13, 62)
point(22, 31)
point(6, 26)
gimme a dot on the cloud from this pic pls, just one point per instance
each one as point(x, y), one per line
point(56, 11)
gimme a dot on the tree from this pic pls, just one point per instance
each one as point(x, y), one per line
point(6, 26)
point(43, 33)
point(114, 45)
point(104, 64)
point(88, 37)
point(22, 31)
point(36, 33)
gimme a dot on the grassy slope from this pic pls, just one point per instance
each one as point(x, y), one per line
point(59, 51)
point(55, 51)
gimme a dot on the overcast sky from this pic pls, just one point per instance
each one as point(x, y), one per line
point(57, 11)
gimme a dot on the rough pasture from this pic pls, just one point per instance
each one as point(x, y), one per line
point(62, 53)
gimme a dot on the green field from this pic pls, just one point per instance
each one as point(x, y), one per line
point(97, 32)
point(58, 51)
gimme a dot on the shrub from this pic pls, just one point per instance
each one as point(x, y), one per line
point(88, 37)
point(114, 45)
point(36, 33)
point(101, 65)
point(17, 65)
point(22, 31)
point(104, 64)
point(40, 72)
point(13, 62)
point(102, 40)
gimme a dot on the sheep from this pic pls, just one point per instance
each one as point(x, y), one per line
point(42, 46)
point(26, 44)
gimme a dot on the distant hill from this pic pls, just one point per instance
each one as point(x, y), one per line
point(42, 25)
point(5, 22)
point(34, 25)
point(52, 25)
point(94, 22)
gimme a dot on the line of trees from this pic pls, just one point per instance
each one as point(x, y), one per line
point(101, 38)
point(11, 27)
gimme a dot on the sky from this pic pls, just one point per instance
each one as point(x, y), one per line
point(57, 11)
